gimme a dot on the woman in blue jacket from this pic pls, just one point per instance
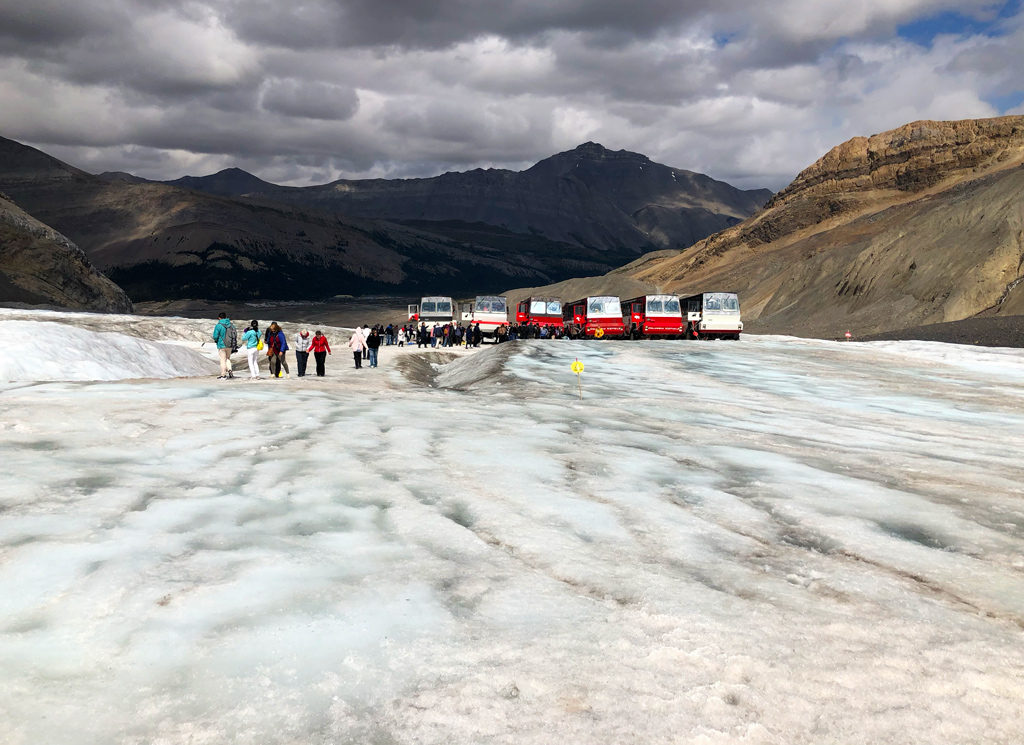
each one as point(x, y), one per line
point(277, 345)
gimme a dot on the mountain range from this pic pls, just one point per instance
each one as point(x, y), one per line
point(919, 225)
point(232, 235)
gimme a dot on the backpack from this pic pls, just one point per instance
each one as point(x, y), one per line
point(231, 338)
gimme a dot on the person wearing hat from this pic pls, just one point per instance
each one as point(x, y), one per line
point(302, 340)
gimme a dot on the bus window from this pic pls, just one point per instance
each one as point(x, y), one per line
point(537, 307)
point(722, 301)
point(444, 307)
point(671, 305)
point(596, 306)
point(554, 308)
point(498, 306)
point(428, 308)
point(654, 306)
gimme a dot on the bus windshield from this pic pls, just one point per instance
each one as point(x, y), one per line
point(604, 306)
point(654, 306)
point(722, 302)
point(428, 307)
point(444, 307)
point(491, 305)
point(672, 305)
point(546, 307)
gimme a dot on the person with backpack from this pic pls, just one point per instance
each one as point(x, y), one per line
point(277, 345)
point(226, 337)
point(251, 339)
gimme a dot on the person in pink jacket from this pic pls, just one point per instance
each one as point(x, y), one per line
point(358, 345)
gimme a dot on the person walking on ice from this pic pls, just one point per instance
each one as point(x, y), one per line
point(226, 337)
point(320, 349)
point(251, 337)
point(358, 345)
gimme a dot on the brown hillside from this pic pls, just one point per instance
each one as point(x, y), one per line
point(39, 266)
point(922, 224)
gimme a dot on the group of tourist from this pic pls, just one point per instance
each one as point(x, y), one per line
point(274, 343)
point(365, 343)
point(448, 335)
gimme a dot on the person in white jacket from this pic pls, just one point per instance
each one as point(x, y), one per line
point(365, 331)
point(302, 342)
point(358, 346)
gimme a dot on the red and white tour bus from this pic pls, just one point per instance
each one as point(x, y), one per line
point(653, 315)
point(540, 311)
point(713, 315)
point(490, 311)
point(597, 316)
point(434, 309)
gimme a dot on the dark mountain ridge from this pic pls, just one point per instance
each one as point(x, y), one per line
point(615, 201)
point(163, 242)
point(582, 212)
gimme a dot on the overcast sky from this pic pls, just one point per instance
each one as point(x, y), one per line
point(306, 91)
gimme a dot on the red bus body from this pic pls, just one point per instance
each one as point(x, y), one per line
point(540, 311)
point(588, 316)
point(653, 315)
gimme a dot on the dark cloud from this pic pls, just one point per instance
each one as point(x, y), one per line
point(310, 100)
point(318, 89)
point(416, 24)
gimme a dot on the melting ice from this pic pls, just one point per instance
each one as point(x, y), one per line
point(770, 541)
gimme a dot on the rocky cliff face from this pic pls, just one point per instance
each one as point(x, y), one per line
point(39, 266)
point(921, 224)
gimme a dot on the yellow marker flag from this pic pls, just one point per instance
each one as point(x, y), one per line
point(577, 367)
point(599, 333)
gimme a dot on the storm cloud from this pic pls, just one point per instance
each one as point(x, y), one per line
point(309, 91)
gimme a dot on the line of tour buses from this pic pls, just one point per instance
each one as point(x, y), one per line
point(708, 315)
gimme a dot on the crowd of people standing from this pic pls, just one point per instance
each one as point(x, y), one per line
point(364, 343)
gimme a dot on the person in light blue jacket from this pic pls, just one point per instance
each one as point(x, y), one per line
point(224, 350)
point(251, 339)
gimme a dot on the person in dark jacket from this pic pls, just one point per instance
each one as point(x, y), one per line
point(277, 345)
point(373, 345)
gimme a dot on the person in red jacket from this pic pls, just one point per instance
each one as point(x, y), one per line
point(320, 349)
